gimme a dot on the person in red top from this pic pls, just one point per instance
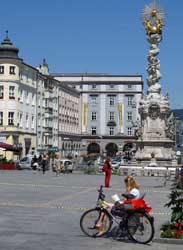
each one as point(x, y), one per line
point(107, 169)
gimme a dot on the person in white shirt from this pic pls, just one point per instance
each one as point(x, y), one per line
point(132, 187)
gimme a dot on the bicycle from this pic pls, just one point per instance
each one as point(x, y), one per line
point(133, 221)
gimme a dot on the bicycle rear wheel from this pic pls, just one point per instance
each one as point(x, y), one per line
point(89, 220)
point(140, 227)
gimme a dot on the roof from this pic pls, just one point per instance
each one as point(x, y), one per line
point(8, 50)
point(93, 75)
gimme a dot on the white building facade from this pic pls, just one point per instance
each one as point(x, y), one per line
point(109, 109)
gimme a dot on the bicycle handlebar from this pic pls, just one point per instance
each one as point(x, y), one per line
point(101, 195)
point(100, 190)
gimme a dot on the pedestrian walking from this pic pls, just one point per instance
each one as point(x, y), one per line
point(34, 163)
point(57, 164)
point(107, 169)
point(40, 161)
point(44, 163)
point(62, 167)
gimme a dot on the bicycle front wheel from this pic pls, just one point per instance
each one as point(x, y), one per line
point(89, 221)
point(140, 227)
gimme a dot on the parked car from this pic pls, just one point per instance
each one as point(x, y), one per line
point(68, 166)
point(25, 163)
point(115, 164)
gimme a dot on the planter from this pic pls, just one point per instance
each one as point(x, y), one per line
point(7, 166)
point(173, 231)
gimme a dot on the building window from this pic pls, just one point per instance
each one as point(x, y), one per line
point(1, 92)
point(94, 130)
point(39, 120)
point(1, 69)
point(93, 100)
point(21, 120)
point(129, 86)
point(10, 118)
point(111, 130)
point(18, 119)
point(94, 116)
point(27, 97)
point(39, 140)
point(21, 95)
point(111, 86)
point(27, 121)
point(12, 70)
point(1, 118)
point(129, 131)
point(27, 77)
point(11, 92)
point(94, 86)
point(32, 122)
point(33, 99)
point(39, 100)
point(111, 100)
point(111, 116)
point(130, 100)
point(129, 116)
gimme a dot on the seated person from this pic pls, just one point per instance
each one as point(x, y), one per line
point(132, 191)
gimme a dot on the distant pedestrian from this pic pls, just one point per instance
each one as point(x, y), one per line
point(34, 163)
point(40, 161)
point(62, 167)
point(57, 164)
point(44, 163)
point(107, 169)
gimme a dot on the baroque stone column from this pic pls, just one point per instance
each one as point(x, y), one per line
point(156, 131)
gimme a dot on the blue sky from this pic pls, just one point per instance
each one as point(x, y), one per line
point(95, 36)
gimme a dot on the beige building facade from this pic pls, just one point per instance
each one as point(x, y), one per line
point(17, 101)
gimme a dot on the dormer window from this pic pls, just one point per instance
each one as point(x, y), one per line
point(1, 69)
point(12, 70)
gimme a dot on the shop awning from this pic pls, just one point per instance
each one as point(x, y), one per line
point(9, 147)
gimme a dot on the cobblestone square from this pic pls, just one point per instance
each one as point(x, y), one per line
point(43, 211)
